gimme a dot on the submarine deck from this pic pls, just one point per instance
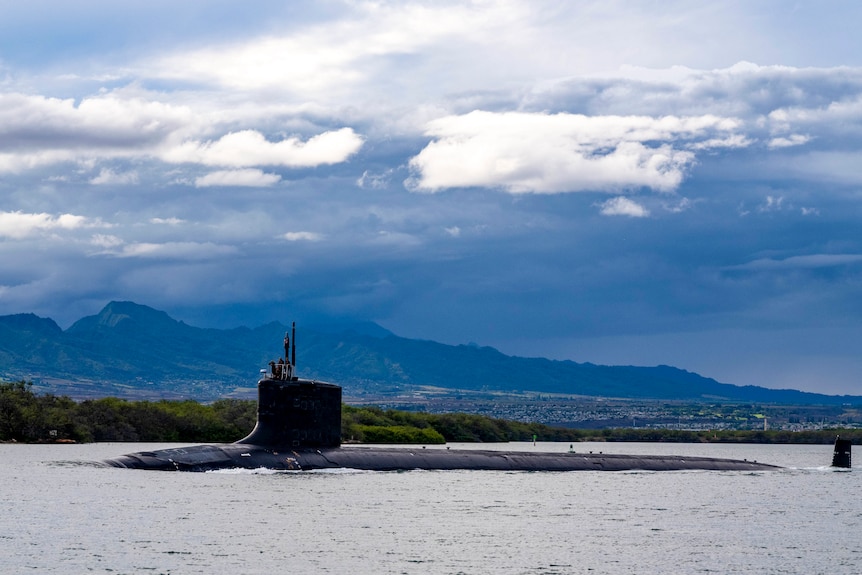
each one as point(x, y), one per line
point(213, 457)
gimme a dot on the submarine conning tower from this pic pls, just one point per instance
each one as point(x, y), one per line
point(294, 412)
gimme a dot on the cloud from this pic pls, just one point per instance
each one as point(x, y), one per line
point(395, 239)
point(621, 206)
point(307, 62)
point(169, 221)
point(18, 225)
point(249, 148)
point(781, 109)
point(837, 167)
point(302, 236)
point(109, 177)
point(680, 206)
point(772, 204)
point(176, 250)
point(555, 153)
point(106, 241)
point(106, 121)
point(812, 261)
point(250, 178)
point(37, 131)
point(373, 180)
point(788, 141)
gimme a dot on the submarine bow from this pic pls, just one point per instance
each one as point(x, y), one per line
point(299, 428)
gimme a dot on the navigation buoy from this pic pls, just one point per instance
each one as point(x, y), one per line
point(841, 453)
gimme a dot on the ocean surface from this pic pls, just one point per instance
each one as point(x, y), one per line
point(61, 513)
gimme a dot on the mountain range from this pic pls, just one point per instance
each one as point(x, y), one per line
point(134, 351)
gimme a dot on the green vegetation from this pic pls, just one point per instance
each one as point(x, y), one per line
point(818, 436)
point(30, 418)
point(364, 424)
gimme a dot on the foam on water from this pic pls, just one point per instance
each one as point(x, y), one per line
point(266, 471)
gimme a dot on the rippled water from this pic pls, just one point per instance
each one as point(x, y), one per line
point(60, 514)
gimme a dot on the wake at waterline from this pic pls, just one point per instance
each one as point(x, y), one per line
point(346, 470)
point(267, 471)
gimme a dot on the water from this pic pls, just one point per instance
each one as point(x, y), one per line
point(60, 514)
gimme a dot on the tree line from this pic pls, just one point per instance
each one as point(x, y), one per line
point(31, 418)
point(375, 425)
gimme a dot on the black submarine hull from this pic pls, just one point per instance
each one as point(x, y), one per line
point(245, 456)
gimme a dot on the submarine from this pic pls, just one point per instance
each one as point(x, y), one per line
point(299, 429)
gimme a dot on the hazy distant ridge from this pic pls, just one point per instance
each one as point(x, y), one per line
point(142, 351)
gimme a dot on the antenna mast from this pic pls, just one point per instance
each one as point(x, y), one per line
point(293, 352)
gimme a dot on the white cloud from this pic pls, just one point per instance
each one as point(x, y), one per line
point(730, 142)
point(105, 121)
point(250, 178)
point(788, 141)
point(553, 153)
point(772, 204)
point(621, 206)
point(302, 236)
point(109, 177)
point(682, 205)
point(374, 181)
point(106, 241)
point(307, 62)
point(835, 105)
point(249, 148)
point(16, 162)
point(168, 221)
point(18, 225)
point(37, 131)
point(176, 250)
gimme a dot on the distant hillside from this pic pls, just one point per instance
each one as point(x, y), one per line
point(131, 350)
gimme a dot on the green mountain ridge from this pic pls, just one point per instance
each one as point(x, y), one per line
point(131, 350)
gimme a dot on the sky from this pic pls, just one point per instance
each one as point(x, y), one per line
point(615, 182)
